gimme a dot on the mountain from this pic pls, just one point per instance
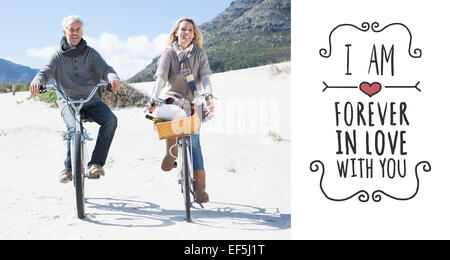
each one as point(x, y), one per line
point(248, 33)
point(12, 72)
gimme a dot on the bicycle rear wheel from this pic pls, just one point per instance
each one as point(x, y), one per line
point(186, 178)
point(78, 175)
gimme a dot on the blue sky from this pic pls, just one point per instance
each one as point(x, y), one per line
point(128, 33)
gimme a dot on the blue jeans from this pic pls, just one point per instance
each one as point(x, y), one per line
point(100, 113)
point(197, 152)
point(197, 155)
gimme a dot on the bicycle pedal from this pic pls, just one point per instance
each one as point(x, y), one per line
point(201, 205)
point(95, 177)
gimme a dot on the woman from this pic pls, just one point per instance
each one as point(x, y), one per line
point(184, 69)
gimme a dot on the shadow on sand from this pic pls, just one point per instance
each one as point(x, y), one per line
point(134, 213)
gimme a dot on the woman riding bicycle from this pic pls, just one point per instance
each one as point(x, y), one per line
point(183, 69)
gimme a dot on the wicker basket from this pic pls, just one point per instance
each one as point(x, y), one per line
point(178, 128)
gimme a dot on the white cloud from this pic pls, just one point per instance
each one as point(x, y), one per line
point(43, 53)
point(127, 57)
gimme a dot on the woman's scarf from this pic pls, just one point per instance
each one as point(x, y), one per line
point(70, 51)
point(183, 58)
point(185, 68)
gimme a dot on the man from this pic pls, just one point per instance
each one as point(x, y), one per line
point(77, 68)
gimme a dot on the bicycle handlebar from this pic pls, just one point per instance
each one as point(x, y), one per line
point(206, 96)
point(159, 102)
point(44, 89)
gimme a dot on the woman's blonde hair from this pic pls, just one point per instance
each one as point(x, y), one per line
point(198, 36)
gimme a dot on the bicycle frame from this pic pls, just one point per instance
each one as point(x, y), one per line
point(78, 151)
point(79, 131)
point(184, 143)
point(186, 170)
point(77, 105)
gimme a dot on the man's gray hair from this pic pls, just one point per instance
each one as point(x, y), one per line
point(67, 21)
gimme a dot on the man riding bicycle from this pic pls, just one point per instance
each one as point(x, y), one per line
point(77, 68)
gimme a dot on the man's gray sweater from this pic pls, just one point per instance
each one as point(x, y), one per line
point(76, 77)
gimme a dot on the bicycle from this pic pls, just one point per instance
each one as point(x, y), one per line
point(78, 143)
point(182, 130)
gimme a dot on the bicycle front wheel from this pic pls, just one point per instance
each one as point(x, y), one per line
point(78, 175)
point(186, 179)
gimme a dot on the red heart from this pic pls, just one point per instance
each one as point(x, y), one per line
point(370, 89)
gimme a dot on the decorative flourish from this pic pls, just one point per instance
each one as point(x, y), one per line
point(314, 167)
point(376, 195)
point(415, 86)
point(325, 53)
point(364, 195)
point(417, 51)
point(364, 28)
point(327, 87)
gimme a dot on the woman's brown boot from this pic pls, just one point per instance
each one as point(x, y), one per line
point(169, 160)
point(199, 186)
